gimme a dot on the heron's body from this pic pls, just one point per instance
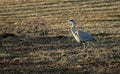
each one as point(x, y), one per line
point(79, 35)
point(83, 36)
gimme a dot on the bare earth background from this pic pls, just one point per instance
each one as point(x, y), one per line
point(44, 44)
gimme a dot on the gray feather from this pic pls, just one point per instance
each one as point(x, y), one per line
point(84, 36)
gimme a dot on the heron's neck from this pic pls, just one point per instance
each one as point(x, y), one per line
point(73, 28)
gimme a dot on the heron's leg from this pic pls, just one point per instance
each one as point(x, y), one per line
point(85, 45)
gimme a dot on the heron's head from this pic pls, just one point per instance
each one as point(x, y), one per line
point(72, 22)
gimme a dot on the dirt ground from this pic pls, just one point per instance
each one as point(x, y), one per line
point(35, 37)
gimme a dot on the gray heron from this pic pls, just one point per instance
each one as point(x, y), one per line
point(81, 36)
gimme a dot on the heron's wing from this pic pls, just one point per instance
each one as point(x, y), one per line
point(84, 36)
